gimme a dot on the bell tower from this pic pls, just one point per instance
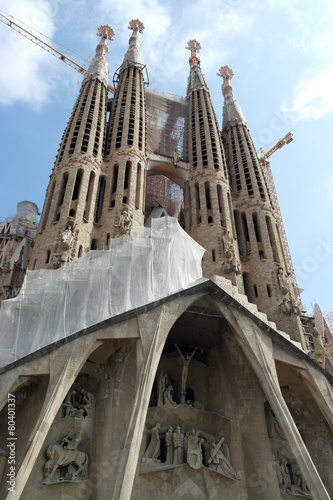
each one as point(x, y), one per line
point(125, 154)
point(263, 260)
point(71, 200)
point(208, 213)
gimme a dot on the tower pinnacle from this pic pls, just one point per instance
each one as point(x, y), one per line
point(133, 54)
point(232, 112)
point(99, 65)
point(196, 79)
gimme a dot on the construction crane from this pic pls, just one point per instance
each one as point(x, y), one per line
point(267, 172)
point(52, 50)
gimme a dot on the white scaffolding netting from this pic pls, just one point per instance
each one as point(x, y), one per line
point(147, 265)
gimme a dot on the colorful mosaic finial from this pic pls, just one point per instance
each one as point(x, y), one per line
point(105, 32)
point(195, 47)
point(226, 73)
point(135, 23)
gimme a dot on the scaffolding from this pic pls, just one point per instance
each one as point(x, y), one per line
point(167, 118)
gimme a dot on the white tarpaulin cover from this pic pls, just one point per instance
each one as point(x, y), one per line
point(139, 268)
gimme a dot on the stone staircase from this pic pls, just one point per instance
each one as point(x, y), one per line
point(232, 290)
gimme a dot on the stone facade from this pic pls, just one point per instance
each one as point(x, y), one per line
point(208, 393)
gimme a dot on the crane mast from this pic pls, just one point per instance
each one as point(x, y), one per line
point(52, 50)
point(267, 172)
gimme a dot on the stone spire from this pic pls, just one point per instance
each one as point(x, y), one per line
point(232, 112)
point(196, 79)
point(133, 54)
point(99, 66)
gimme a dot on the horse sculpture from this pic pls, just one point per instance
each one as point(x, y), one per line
point(66, 455)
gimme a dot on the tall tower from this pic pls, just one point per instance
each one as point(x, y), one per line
point(71, 201)
point(263, 261)
point(208, 212)
point(125, 155)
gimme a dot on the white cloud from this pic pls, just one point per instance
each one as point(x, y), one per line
point(313, 97)
point(25, 76)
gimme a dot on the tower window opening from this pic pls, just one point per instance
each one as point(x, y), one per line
point(61, 196)
point(249, 290)
point(107, 240)
point(272, 239)
point(114, 183)
point(245, 227)
point(48, 205)
point(93, 245)
point(48, 255)
point(207, 193)
point(90, 190)
point(77, 185)
point(213, 255)
point(100, 198)
point(197, 202)
point(138, 186)
point(71, 213)
point(80, 251)
point(269, 291)
point(255, 290)
point(127, 174)
point(256, 227)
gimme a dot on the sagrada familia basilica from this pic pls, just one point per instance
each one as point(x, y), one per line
point(153, 342)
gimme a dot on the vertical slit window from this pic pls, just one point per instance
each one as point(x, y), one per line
point(138, 186)
point(272, 239)
point(61, 196)
point(77, 185)
point(197, 202)
point(114, 184)
point(48, 205)
point(86, 214)
point(100, 198)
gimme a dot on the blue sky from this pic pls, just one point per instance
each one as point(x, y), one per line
point(281, 55)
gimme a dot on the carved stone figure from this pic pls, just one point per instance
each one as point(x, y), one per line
point(219, 462)
point(66, 456)
point(79, 404)
point(283, 474)
point(194, 451)
point(162, 382)
point(154, 448)
point(300, 486)
point(186, 361)
point(273, 426)
point(67, 238)
point(167, 395)
point(169, 446)
point(125, 222)
point(282, 281)
point(319, 350)
point(178, 443)
point(175, 157)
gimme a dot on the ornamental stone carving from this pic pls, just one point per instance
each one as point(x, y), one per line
point(65, 461)
point(78, 403)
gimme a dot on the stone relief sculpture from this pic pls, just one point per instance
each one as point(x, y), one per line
point(65, 461)
point(178, 444)
point(64, 244)
point(194, 447)
point(125, 222)
point(169, 446)
point(194, 451)
point(79, 403)
point(289, 481)
point(154, 448)
point(161, 385)
point(218, 460)
point(273, 426)
point(282, 281)
point(167, 396)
